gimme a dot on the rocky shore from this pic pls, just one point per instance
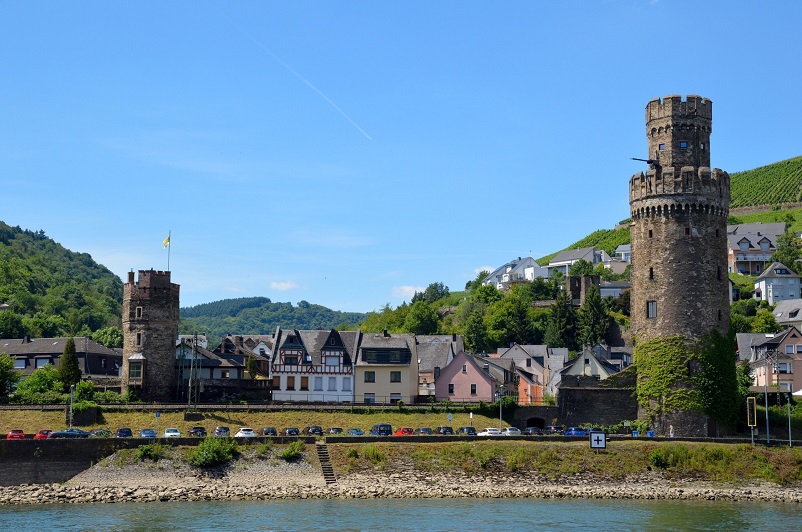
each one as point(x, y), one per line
point(273, 479)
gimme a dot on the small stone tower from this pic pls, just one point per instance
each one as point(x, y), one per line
point(679, 211)
point(150, 329)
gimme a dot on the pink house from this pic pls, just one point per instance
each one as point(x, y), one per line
point(470, 379)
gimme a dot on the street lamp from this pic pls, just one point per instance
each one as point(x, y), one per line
point(72, 400)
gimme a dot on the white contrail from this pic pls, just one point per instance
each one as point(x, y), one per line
point(299, 76)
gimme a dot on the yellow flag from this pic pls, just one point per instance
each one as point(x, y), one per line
point(166, 242)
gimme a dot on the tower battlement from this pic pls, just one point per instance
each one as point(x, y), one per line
point(680, 186)
point(151, 283)
point(679, 131)
point(674, 106)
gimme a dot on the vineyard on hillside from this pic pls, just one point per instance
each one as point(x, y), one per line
point(606, 239)
point(773, 184)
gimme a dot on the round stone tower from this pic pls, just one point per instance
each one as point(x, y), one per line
point(679, 211)
point(150, 329)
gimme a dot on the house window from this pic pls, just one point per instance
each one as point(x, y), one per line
point(291, 360)
point(276, 382)
point(102, 362)
point(42, 362)
point(465, 368)
point(528, 362)
point(789, 349)
point(318, 384)
point(20, 363)
point(333, 342)
point(395, 376)
point(134, 370)
point(651, 273)
point(138, 312)
point(683, 144)
point(332, 384)
point(370, 376)
point(395, 398)
point(290, 383)
point(450, 388)
point(784, 367)
point(224, 374)
point(346, 384)
point(799, 348)
point(139, 339)
point(651, 309)
point(369, 398)
point(305, 384)
point(473, 389)
point(307, 358)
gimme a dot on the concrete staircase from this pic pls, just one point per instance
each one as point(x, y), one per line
point(325, 463)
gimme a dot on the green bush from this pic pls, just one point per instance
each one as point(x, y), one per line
point(657, 459)
point(372, 453)
point(108, 397)
point(213, 451)
point(294, 451)
point(80, 406)
point(150, 451)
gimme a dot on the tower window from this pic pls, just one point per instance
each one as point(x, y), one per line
point(650, 233)
point(718, 273)
point(719, 314)
point(683, 144)
point(687, 231)
point(139, 312)
point(139, 339)
point(702, 146)
point(716, 233)
point(651, 309)
point(661, 147)
point(651, 273)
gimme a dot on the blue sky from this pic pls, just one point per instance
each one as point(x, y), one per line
point(348, 153)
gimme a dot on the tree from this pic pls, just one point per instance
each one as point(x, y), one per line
point(421, 319)
point(477, 282)
point(41, 386)
point(788, 251)
point(68, 371)
point(743, 372)
point(593, 319)
point(11, 325)
point(487, 294)
point(764, 322)
point(580, 268)
point(476, 337)
point(111, 337)
point(434, 292)
point(561, 328)
point(251, 366)
point(9, 376)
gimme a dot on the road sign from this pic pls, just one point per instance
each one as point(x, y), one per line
point(158, 414)
point(450, 417)
point(598, 440)
point(751, 412)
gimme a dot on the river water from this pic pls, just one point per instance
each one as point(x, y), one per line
point(407, 514)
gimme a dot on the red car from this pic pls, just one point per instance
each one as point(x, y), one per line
point(15, 435)
point(404, 431)
point(42, 434)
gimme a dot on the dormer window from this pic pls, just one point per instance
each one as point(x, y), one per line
point(744, 245)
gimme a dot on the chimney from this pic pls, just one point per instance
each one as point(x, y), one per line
point(131, 277)
point(454, 337)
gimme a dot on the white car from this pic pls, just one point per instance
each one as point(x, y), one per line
point(490, 431)
point(511, 431)
point(245, 432)
point(171, 433)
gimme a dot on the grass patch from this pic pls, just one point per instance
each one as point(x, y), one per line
point(213, 451)
point(294, 451)
point(150, 451)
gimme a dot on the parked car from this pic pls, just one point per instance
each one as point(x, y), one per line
point(124, 432)
point(335, 430)
point(444, 431)
point(466, 431)
point(148, 433)
point(490, 431)
point(42, 434)
point(100, 433)
point(200, 432)
point(68, 433)
point(595, 430)
point(381, 429)
point(222, 432)
point(245, 432)
point(268, 431)
point(511, 431)
point(532, 431)
point(424, 431)
point(15, 434)
point(404, 431)
point(313, 430)
point(171, 433)
point(554, 430)
point(575, 431)
point(292, 431)
point(356, 432)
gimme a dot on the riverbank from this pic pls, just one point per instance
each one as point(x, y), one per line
point(253, 478)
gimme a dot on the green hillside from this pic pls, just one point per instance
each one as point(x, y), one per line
point(773, 184)
point(259, 315)
point(52, 291)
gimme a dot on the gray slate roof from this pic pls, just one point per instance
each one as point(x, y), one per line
point(770, 272)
